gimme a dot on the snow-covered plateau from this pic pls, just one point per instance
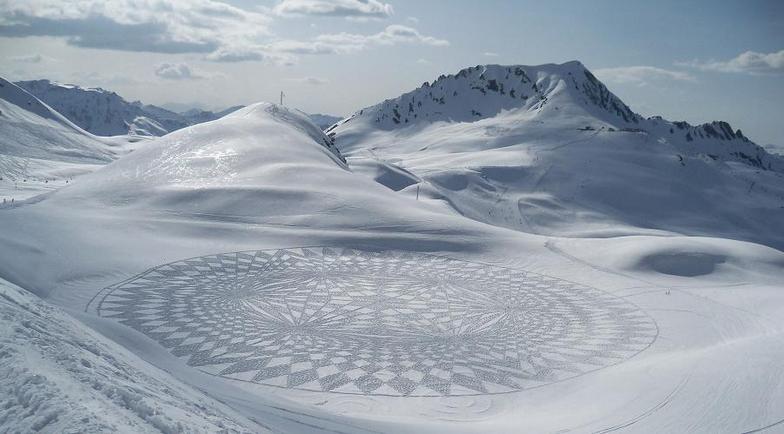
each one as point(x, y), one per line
point(505, 249)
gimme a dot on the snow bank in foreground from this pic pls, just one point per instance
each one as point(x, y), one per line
point(58, 376)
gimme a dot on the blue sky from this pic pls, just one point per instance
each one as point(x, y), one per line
point(696, 61)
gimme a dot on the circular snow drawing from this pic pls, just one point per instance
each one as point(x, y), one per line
point(380, 323)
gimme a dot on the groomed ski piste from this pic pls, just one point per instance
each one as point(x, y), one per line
point(253, 274)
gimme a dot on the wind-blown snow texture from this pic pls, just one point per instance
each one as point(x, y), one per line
point(243, 272)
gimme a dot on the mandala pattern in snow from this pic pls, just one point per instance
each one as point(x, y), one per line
point(379, 323)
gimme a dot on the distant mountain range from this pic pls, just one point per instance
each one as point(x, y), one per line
point(30, 129)
point(105, 113)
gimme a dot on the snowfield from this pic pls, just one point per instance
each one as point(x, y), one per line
point(550, 263)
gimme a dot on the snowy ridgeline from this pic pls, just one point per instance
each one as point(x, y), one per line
point(549, 149)
point(41, 150)
point(104, 113)
point(45, 145)
point(549, 91)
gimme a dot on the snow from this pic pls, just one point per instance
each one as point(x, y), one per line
point(105, 113)
point(59, 376)
point(41, 150)
point(168, 269)
point(569, 159)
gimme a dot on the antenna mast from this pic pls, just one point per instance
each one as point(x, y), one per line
point(281, 97)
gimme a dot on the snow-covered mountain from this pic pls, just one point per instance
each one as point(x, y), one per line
point(178, 298)
point(549, 149)
point(105, 113)
point(565, 91)
point(32, 129)
point(41, 149)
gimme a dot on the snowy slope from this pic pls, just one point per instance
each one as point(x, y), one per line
point(263, 164)
point(38, 145)
point(98, 111)
point(33, 129)
point(237, 158)
point(549, 149)
point(263, 175)
point(59, 376)
point(105, 113)
point(265, 180)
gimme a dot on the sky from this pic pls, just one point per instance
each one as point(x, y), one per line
point(684, 60)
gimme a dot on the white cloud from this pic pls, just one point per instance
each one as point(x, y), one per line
point(219, 31)
point(251, 53)
point(398, 33)
point(391, 35)
point(749, 62)
point(414, 20)
point(777, 149)
point(490, 54)
point(337, 43)
point(335, 8)
point(97, 79)
point(301, 47)
point(640, 75)
point(423, 62)
point(178, 71)
point(315, 81)
point(31, 58)
point(173, 26)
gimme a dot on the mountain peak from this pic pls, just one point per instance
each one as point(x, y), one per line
point(561, 97)
point(483, 91)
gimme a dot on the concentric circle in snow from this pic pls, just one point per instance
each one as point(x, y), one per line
point(377, 323)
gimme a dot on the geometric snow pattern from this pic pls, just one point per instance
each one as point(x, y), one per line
point(377, 323)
